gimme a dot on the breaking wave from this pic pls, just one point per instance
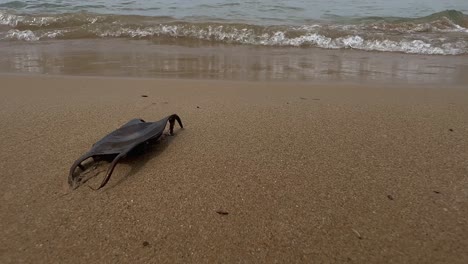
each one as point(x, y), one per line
point(443, 33)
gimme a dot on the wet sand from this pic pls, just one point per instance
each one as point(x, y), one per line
point(190, 59)
point(305, 172)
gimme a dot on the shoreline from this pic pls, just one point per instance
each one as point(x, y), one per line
point(315, 83)
point(306, 172)
point(146, 59)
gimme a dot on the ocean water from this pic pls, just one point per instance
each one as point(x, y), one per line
point(404, 26)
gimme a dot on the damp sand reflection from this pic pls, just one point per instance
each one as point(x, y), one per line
point(127, 58)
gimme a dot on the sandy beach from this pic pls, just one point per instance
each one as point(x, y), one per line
point(311, 173)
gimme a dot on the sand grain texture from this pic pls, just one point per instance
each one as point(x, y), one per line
point(304, 173)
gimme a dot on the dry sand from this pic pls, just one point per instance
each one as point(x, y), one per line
point(307, 173)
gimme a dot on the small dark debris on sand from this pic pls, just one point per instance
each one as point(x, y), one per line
point(198, 106)
point(451, 130)
point(145, 243)
point(357, 233)
point(144, 95)
point(390, 197)
point(222, 212)
point(436, 192)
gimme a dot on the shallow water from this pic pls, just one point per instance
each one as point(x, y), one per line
point(142, 58)
point(266, 11)
point(416, 27)
point(320, 40)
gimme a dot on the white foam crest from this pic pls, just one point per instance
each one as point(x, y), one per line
point(461, 29)
point(456, 27)
point(26, 35)
point(280, 38)
point(308, 28)
point(404, 28)
point(13, 20)
point(442, 25)
point(53, 34)
point(357, 42)
point(42, 21)
point(413, 46)
point(209, 33)
point(9, 19)
point(125, 32)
